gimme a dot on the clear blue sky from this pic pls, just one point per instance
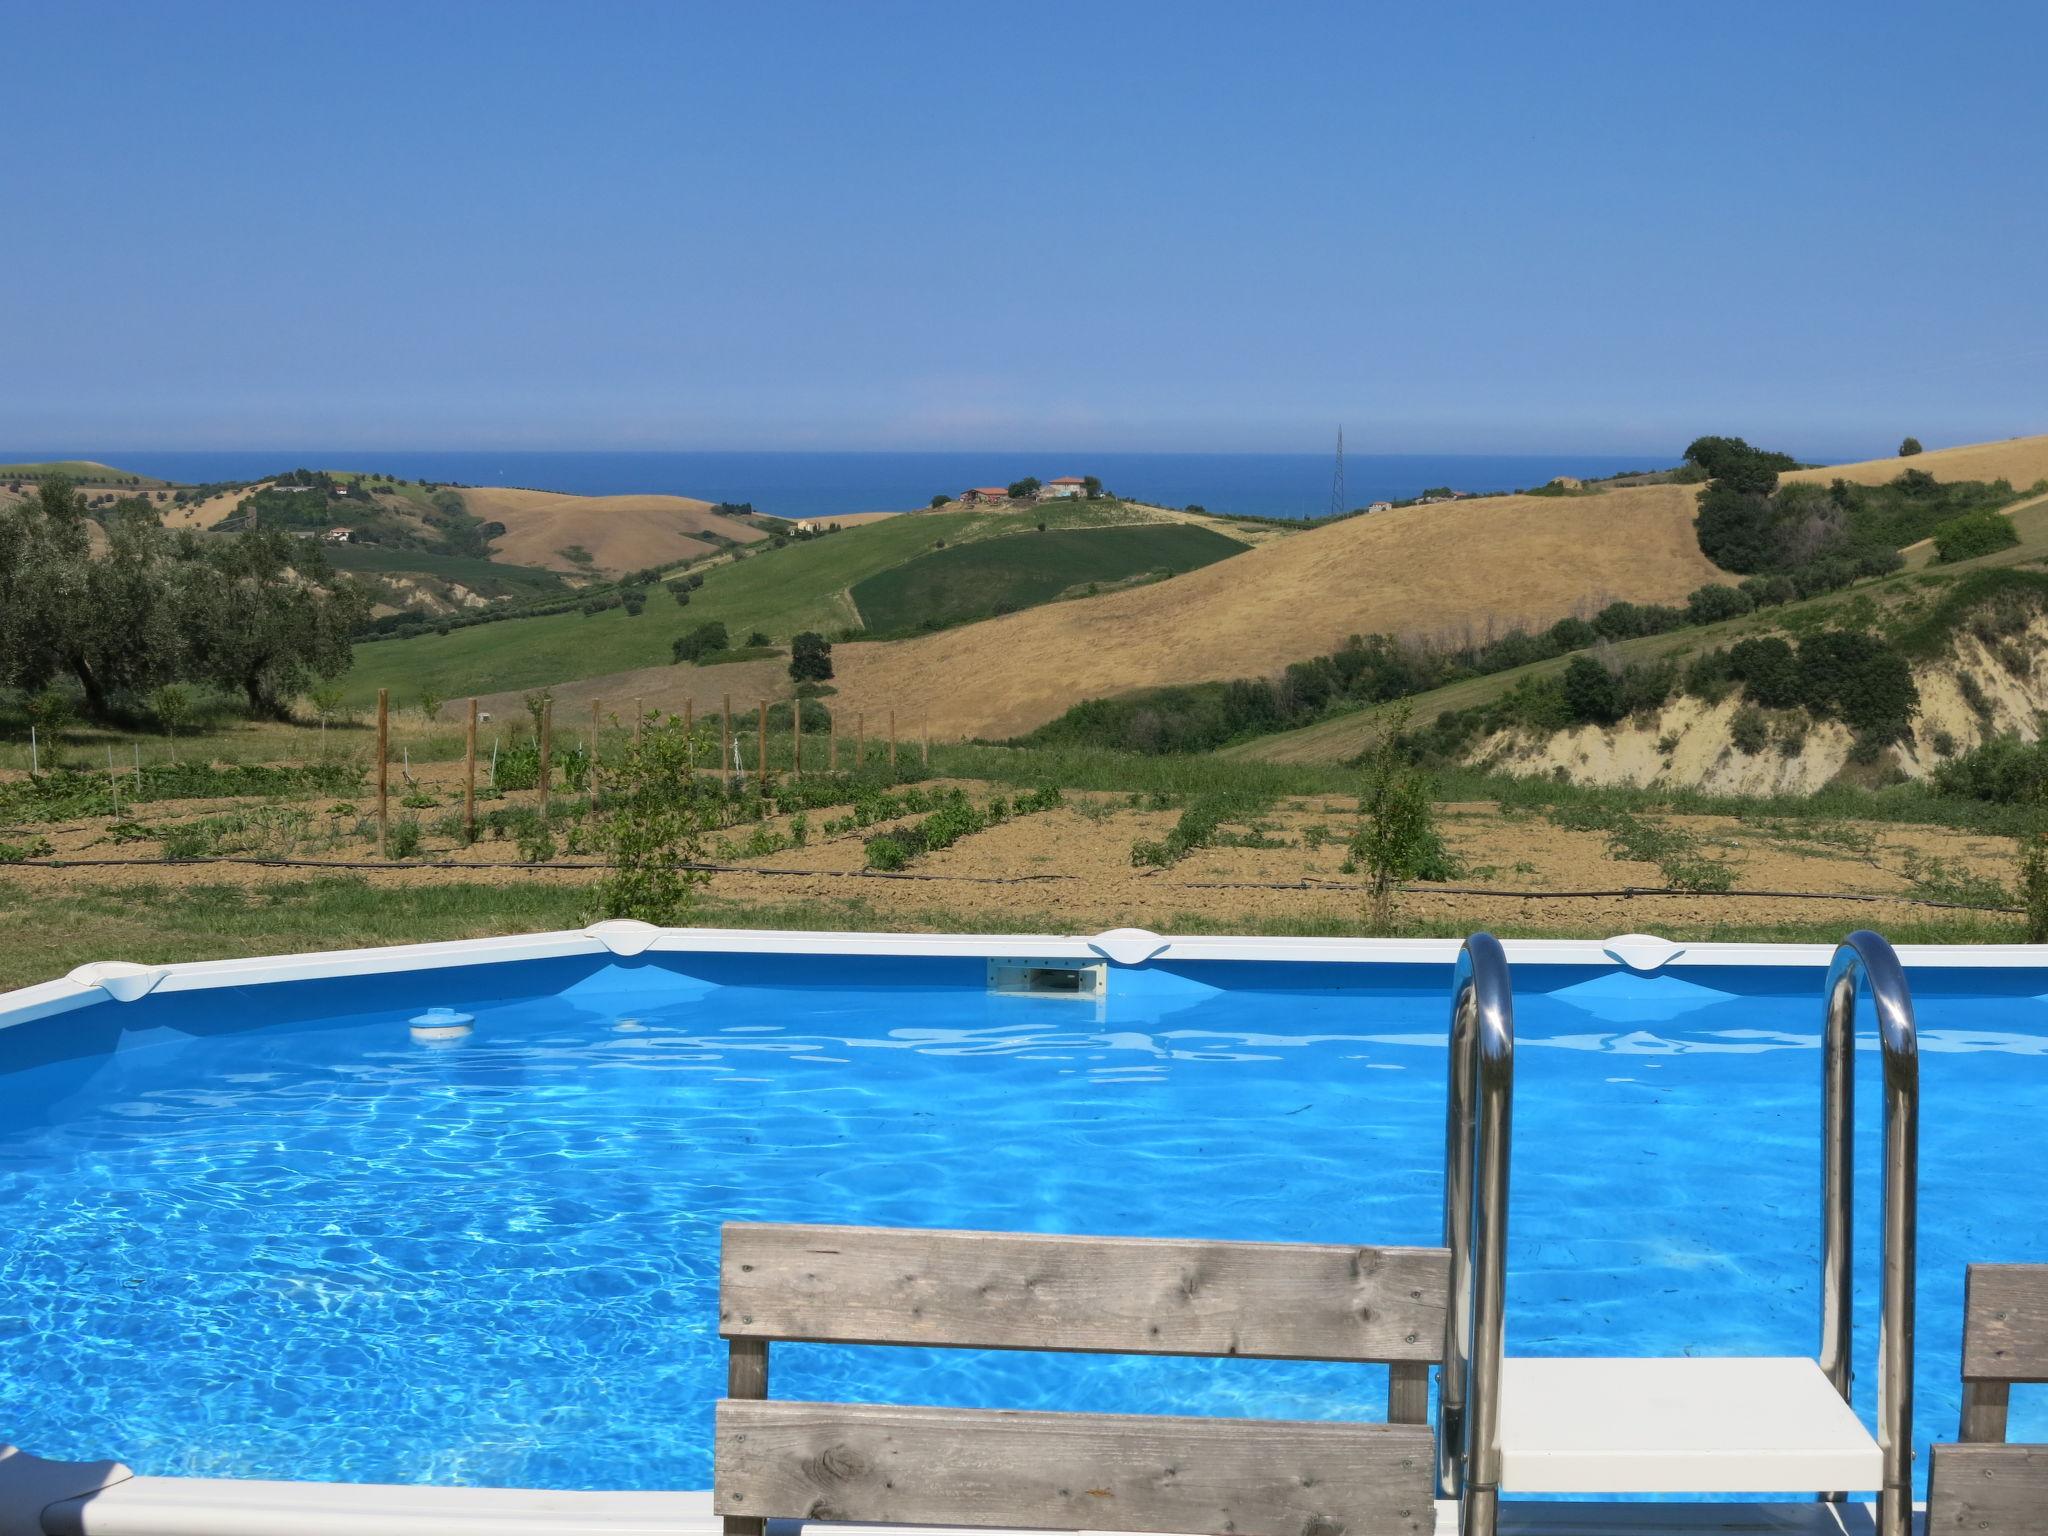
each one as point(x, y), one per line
point(1510, 227)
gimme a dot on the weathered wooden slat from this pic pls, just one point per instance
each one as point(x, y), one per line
point(1988, 1490)
point(1408, 1392)
point(1985, 1405)
point(1110, 1295)
point(2005, 1323)
point(746, 1378)
point(1072, 1471)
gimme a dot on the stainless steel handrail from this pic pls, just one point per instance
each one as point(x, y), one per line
point(1868, 957)
point(1478, 1116)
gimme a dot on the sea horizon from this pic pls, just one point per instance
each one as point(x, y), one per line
point(826, 483)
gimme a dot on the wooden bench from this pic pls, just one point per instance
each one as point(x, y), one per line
point(1984, 1485)
point(1076, 1471)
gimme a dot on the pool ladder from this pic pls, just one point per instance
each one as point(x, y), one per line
point(1692, 1424)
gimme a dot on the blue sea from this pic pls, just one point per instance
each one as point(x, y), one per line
point(824, 484)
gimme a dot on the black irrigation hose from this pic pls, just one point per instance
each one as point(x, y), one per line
point(558, 864)
point(1625, 891)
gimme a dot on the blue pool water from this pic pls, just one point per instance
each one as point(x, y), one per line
point(252, 1234)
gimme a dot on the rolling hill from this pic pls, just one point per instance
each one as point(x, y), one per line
point(979, 580)
point(1460, 568)
point(805, 585)
point(618, 533)
point(2022, 460)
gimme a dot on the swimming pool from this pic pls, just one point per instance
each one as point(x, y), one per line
point(257, 1230)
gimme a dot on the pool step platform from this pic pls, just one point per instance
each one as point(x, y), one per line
point(1687, 1425)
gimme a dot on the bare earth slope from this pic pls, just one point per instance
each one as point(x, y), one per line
point(2022, 460)
point(622, 533)
point(1463, 567)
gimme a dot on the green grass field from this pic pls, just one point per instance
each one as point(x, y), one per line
point(963, 582)
point(84, 470)
point(804, 585)
point(491, 578)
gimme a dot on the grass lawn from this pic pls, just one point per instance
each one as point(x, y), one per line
point(963, 582)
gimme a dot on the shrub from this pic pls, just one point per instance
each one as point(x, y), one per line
point(1707, 676)
point(1591, 694)
point(886, 853)
point(633, 599)
point(810, 658)
point(1711, 604)
point(1973, 534)
point(756, 639)
point(1397, 837)
point(2004, 771)
point(403, 841)
point(1749, 730)
point(1768, 671)
point(2034, 883)
point(704, 640)
point(1861, 679)
point(1909, 447)
point(1769, 591)
point(536, 842)
point(652, 829)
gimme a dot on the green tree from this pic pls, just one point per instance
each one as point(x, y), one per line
point(1591, 694)
point(1022, 489)
point(1909, 447)
point(1090, 487)
point(702, 641)
point(260, 615)
point(1973, 534)
point(810, 658)
point(653, 828)
point(941, 499)
point(1397, 837)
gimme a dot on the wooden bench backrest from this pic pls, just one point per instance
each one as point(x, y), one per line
point(1984, 1485)
point(1140, 1296)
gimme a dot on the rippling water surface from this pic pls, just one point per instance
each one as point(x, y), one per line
point(319, 1250)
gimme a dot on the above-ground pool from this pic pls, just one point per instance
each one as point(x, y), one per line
point(254, 1228)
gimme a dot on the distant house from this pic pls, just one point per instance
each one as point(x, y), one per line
point(1064, 485)
point(985, 493)
point(339, 535)
point(1380, 506)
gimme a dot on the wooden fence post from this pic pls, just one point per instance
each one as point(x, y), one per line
point(383, 766)
point(892, 742)
point(469, 776)
point(592, 749)
point(547, 750)
point(725, 746)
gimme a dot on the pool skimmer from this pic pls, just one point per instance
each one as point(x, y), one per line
point(437, 1026)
